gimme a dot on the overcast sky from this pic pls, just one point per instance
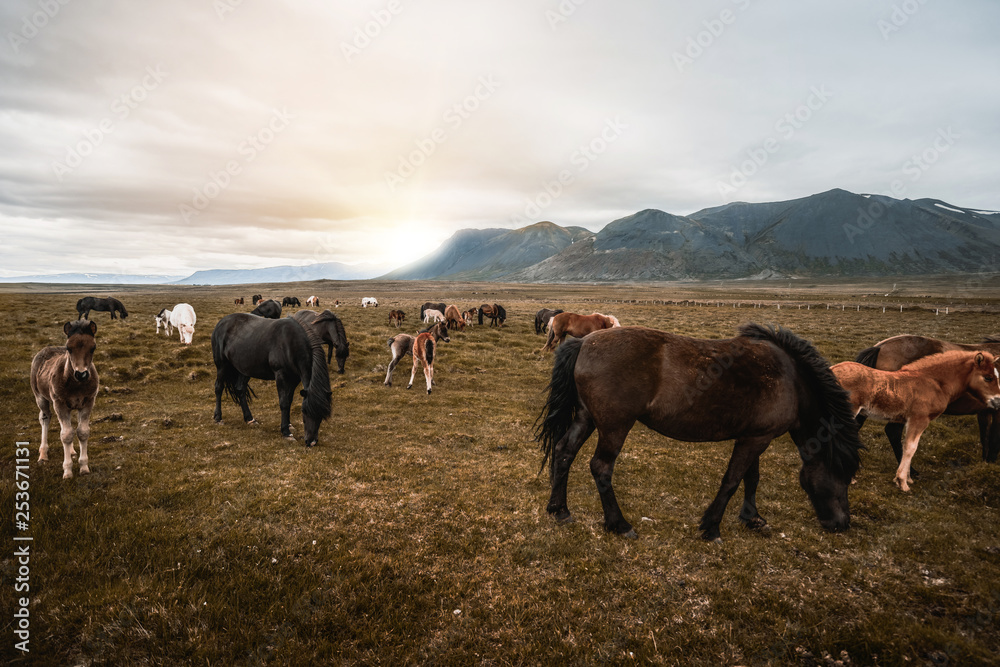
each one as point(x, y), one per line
point(184, 135)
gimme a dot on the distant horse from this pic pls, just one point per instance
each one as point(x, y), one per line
point(396, 318)
point(430, 305)
point(238, 301)
point(919, 392)
point(542, 318)
point(769, 382)
point(312, 301)
point(64, 378)
point(257, 298)
point(291, 301)
point(244, 347)
point(893, 353)
point(183, 318)
point(369, 301)
point(454, 318)
point(469, 316)
point(433, 315)
point(104, 305)
point(578, 326)
point(331, 331)
point(422, 347)
point(163, 320)
point(270, 309)
point(495, 312)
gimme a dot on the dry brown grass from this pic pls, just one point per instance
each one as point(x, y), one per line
point(416, 531)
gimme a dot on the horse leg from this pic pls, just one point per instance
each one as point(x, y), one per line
point(994, 436)
point(894, 431)
point(911, 433)
point(66, 433)
point(286, 391)
point(429, 375)
point(83, 433)
point(746, 454)
point(563, 454)
point(219, 388)
point(242, 390)
point(392, 367)
point(413, 373)
point(602, 467)
point(44, 418)
point(749, 515)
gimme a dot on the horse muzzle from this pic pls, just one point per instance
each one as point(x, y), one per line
point(995, 403)
point(81, 376)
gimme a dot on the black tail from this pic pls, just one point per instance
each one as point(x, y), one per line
point(429, 351)
point(316, 397)
point(480, 315)
point(868, 356)
point(829, 421)
point(560, 407)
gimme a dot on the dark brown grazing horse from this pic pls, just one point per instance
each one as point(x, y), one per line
point(430, 305)
point(64, 378)
point(238, 301)
point(893, 353)
point(105, 305)
point(454, 318)
point(257, 298)
point(396, 318)
point(919, 393)
point(542, 318)
point(330, 330)
point(401, 345)
point(495, 312)
point(578, 326)
point(753, 388)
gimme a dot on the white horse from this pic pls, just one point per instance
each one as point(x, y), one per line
point(431, 315)
point(369, 301)
point(163, 320)
point(312, 301)
point(183, 317)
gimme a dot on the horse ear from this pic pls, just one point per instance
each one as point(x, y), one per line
point(66, 328)
point(979, 359)
point(93, 328)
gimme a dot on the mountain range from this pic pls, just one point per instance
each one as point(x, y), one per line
point(834, 233)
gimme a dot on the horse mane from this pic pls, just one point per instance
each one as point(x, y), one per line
point(316, 397)
point(939, 358)
point(842, 445)
point(338, 327)
point(992, 338)
point(85, 327)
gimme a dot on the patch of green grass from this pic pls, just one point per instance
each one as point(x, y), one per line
point(416, 532)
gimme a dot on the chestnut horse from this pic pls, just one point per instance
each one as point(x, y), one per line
point(396, 318)
point(454, 318)
point(919, 393)
point(495, 312)
point(401, 345)
point(893, 353)
point(578, 326)
point(64, 378)
point(769, 382)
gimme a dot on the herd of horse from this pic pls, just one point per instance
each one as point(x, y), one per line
point(751, 388)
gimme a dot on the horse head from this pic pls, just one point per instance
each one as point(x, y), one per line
point(440, 331)
point(985, 381)
point(80, 345)
point(612, 321)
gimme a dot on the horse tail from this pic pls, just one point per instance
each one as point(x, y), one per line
point(827, 420)
point(552, 337)
point(560, 407)
point(316, 397)
point(235, 384)
point(429, 351)
point(480, 314)
point(868, 356)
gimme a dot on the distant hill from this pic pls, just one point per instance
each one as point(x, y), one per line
point(283, 274)
point(95, 278)
point(491, 254)
point(834, 233)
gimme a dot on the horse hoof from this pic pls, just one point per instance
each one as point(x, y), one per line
point(253, 421)
point(631, 534)
point(717, 540)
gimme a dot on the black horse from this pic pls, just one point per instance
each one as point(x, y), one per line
point(330, 330)
point(432, 306)
point(542, 318)
point(244, 347)
point(270, 309)
point(751, 388)
point(291, 301)
point(104, 305)
point(257, 298)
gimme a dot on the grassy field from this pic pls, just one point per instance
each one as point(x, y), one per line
point(416, 532)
